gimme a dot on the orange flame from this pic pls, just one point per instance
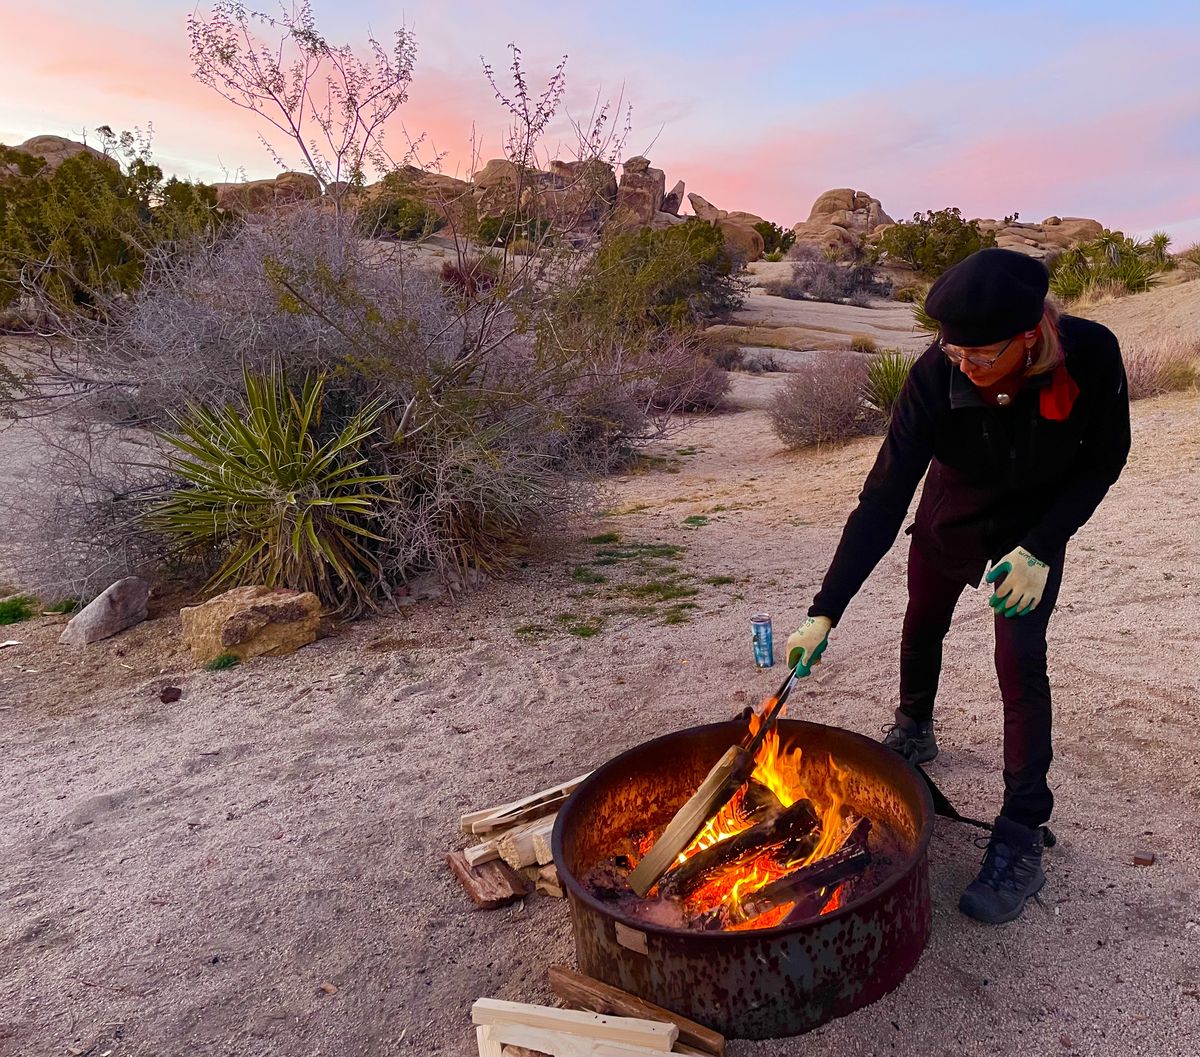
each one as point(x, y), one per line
point(780, 771)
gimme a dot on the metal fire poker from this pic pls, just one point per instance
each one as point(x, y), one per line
point(732, 771)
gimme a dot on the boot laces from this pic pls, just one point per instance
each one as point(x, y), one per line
point(1004, 865)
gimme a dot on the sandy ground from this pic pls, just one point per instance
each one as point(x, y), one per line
point(183, 877)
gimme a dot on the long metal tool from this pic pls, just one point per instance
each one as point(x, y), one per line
point(732, 771)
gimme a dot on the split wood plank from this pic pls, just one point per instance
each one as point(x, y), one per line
point(585, 992)
point(488, 1045)
point(518, 847)
point(503, 813)
point(490, 885)
point(549, 884)
point(523, 1039)
point(717, 789)
point(652, 1035)
point(520, 837)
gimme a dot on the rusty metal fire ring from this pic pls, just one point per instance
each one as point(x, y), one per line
point(762, 983)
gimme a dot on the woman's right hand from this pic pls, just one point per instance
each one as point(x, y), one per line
point(806, 644)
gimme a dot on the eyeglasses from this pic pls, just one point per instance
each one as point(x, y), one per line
point(957, 355)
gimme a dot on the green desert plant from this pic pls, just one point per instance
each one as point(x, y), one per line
point(775, 239)
point(933, 241)
point(669, 278)
point(222, 662)
point(398, 216)
point(282, 505)
point(81, 232)
point(1111, 263)
point(14, 610)
point(922, 320)
point(886, 375)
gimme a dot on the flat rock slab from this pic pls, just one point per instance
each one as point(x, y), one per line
point(119, 607)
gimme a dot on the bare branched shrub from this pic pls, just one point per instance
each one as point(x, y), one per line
point(329, 103)
point(815, 278)
point(822, 402)
point(1164, 366)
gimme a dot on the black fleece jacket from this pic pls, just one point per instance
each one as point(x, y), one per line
point(999, 477)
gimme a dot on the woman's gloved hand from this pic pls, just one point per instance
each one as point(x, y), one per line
point(806, 644)
point(1023, 585)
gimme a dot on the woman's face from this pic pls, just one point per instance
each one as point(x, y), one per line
point(986, 365)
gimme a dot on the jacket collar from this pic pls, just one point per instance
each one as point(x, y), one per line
point(964, 394)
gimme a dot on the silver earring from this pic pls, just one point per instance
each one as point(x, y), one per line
point(1028, 359)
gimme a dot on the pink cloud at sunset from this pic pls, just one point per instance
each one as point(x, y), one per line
point(1093, 111)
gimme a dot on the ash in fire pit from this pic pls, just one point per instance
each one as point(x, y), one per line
point(787, 848)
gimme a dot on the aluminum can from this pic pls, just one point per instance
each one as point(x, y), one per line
point(764, 643)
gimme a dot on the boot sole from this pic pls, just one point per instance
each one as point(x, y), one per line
point(1001, 919)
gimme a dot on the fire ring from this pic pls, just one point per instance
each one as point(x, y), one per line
point(761, 983)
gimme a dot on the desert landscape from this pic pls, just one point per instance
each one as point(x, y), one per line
point(189, 875)
point(369, 512)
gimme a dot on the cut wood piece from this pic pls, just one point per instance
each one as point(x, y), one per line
point(517, 847)
point(524, 1039)
point(485, 852)
point(585, 992)
point(491, 884)
point(718, 787)
point(628, 1031)
point(542, 849)
point(504, 814)
point(798, 823)
point(488, 1046)
point(548, 883)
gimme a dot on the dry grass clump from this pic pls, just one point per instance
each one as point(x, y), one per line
point(823, 402)
point(1165, 366)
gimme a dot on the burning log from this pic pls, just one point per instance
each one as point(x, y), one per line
point(798, 823)
point(728, 775)
point(848, 861)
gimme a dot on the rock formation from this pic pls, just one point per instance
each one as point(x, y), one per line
point(57, 149)
point(842, 219)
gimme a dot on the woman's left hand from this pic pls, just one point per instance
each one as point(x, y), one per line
point(1023, 585)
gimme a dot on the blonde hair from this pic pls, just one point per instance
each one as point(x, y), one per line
point(1047, 352)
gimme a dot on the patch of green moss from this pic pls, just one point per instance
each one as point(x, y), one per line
point(695, 521)
point(222, 661)
point(720, 581)
point(14, 610)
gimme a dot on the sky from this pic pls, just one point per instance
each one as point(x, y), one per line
point(1069, 108)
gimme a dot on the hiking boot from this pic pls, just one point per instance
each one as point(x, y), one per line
point(910, 739)
point(1011, 873)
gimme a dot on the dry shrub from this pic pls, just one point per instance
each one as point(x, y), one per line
point(1165, 366)
point(502, 406)
point(823, 402)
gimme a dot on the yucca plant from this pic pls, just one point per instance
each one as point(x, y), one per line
point(886, 374)
point(278, 504)
point(922, 320)
point(1159, 246)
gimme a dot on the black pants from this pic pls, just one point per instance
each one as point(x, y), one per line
point(1020, 668)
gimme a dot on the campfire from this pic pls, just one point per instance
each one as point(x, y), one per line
point(786, 847)
point(805, 897)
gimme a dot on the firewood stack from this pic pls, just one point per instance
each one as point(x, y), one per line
point(513, 853)
point(605, 1022)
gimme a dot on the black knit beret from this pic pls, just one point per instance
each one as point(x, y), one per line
point(990, 296)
